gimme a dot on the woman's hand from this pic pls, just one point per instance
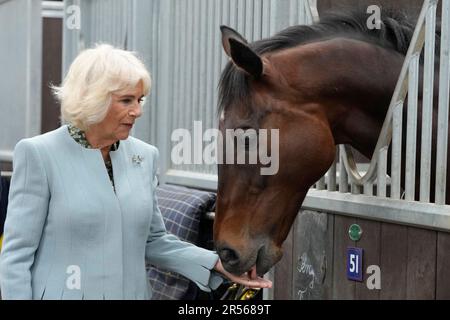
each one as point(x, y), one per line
point(249, 279)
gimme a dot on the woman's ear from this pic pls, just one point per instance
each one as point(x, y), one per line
point(236, 47)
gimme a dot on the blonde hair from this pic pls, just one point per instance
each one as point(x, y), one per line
point(93, 77)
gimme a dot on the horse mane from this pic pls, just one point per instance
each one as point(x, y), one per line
point(395, 34)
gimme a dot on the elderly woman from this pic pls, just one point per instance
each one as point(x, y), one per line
point(83, 217)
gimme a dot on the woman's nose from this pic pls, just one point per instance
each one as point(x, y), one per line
point(136, 111)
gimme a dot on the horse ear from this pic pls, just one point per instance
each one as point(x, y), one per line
point(228, 33)
point(236, 47)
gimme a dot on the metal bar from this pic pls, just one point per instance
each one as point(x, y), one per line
point(257, 20)
point(302, 20)
point(427, 107)
point(192, 179)
point(52, 9)
point(294, 11)
point(209, 82)
point(382, 172)
point(71, 43)
point(396, 161)
point(120, 26)
point(190, 72)
point(203, 85)
point(240, 16)
point(332, 175)
point(233, 15)
point(225, 20)
point(444, 85)
point(273, 14)
point(411, 128)
point(177, 80)
point(248, 17)
point(314, 11)
point(155, 66)
point(320, 185)
point(306, 13)
point(215, 65)
point(368, 189)
point(311, 12)
point(412, 213)
point(33, 72)
point(343, 177)
point(165, 82)
point(351, 167)
point(266, 18)
point(196, 62)
point(186, 43)
point(355, 188)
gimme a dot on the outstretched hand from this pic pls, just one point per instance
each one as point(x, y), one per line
point(249, 279)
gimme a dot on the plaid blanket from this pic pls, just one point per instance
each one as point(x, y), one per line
point(182, 209)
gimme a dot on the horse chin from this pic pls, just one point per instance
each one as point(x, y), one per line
point(243, 267)
point(267, 258)
point(264, 259)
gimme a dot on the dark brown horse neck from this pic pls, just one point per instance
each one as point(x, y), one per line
point(352, 85)
point(351, 89)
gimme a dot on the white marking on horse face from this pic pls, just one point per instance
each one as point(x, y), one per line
point(222, 116)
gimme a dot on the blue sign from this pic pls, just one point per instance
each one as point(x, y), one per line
point(354, 264)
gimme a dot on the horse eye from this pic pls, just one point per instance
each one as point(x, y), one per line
point(248, 137)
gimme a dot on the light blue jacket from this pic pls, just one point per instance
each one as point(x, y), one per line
point(69, 236)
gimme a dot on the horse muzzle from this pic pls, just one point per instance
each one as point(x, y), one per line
point(237, 262)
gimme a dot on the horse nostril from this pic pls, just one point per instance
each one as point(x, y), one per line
point(229, 256)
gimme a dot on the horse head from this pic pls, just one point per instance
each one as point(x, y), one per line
point(310, 87)
point(255, 209)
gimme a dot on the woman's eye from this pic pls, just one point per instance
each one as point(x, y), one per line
point(128, 101)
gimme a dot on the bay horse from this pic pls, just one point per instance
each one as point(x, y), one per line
point(321, 85)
